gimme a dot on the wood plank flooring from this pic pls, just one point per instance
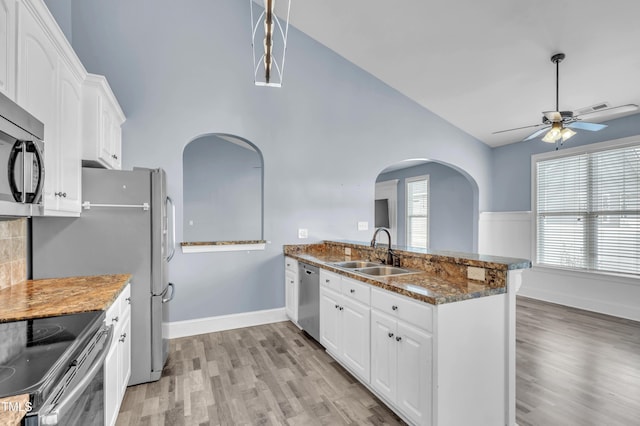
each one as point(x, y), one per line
point(573, 368)
point(266, 375)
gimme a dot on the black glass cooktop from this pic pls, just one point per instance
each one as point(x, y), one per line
point(33, 351)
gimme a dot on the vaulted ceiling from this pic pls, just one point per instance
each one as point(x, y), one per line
point(485, 65)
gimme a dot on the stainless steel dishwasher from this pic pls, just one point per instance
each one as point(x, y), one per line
point(309, 300)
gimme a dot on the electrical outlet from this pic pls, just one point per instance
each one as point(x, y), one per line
point(303, 233)
point(474, 273)
point(363, 226)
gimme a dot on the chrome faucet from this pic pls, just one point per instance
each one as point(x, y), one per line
point(390, 254)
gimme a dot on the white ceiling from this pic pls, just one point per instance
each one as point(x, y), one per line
point(484, 65)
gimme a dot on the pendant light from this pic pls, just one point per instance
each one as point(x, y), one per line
point(268, 43)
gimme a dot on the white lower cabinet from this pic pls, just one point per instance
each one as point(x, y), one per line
point(291, 284)
point(117, 366)
point(345, 323)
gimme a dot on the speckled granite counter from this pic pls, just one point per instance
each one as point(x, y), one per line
point(443, 278)
point(60, 296)
point(13, 409)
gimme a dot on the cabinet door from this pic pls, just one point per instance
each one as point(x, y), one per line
point(414, 373)
point(69, 124)
point(330, 320)
point(383, 354)
point(291, 296)
point(7, 47)
point(124, 362)
point(36, 89)
point(356, 349)
point(111, 388)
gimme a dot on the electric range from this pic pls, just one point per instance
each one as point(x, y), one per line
point(36, 353)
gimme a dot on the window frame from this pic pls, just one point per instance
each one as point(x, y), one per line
point(632, 141)
point(407, 181)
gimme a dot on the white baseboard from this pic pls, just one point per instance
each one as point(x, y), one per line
point(176, 329)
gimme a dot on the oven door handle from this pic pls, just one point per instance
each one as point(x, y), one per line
point(53, 417)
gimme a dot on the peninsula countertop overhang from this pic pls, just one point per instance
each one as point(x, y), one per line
point(442, 277)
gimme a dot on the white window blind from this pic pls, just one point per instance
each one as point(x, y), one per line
point(588, 211)
point(418, 211)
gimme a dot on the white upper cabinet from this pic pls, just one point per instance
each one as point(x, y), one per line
point(102, 123)
point(81, 116)
point(7, 47)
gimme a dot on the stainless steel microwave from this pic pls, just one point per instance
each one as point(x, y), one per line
point(21, 160)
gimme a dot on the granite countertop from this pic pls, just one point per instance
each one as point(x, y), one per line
point(60, 296)
point(421, 286)
point(13, 409)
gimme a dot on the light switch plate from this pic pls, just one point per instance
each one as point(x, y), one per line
point(347, 251)
point(363, 226)
point(474, 273)
point(303, 233)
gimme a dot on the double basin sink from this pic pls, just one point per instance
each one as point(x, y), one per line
point(372, 268)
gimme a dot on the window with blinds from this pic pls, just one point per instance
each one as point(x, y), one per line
point(418, 211)
point(588, 211)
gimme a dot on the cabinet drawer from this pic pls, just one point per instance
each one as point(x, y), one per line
point(120, 307)
point(356, 290)
point(291, 264)
point(330, 280)
point(417, 313)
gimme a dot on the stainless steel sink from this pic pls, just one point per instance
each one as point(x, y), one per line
point(355, 264)
point(383, 271)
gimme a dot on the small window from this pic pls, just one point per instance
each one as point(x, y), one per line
point(588, 209)
point(418, 211)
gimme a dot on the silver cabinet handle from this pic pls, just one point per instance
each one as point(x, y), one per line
point(398, 338)
point(128, 299)
point(352, 291)
point(123, 337)
point(390, 334)
point(115, 319)
point(60, 194)
point(394, 307)
point(337, 306)
point(327, 281)
point(341, 308)
point(291, 282)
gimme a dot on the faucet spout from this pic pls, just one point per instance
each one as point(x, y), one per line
point(389, 260)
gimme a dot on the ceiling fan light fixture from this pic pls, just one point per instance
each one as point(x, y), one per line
point(566, 133)
point(554, 134)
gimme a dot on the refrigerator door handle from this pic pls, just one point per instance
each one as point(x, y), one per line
point(173, 293)
point(172, 247)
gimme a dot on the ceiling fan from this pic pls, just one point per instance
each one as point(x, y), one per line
point(559, 125)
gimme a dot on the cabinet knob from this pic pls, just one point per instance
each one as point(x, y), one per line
point(291, 282)
point(390, 334)
point(394, 307)
point(128, 299)
point(341, 308)
point(115, 157)
point(398, 338)
point(352, 291)
point(123, 337)
point(327, 280)
point(337, 306)
point(115, 319)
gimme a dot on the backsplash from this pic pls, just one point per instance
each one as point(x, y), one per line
point(13, 252)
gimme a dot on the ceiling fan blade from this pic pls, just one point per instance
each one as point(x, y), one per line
point(536, 133)
point(608, 111)
point(518, 128)
point(553, 116)
point(583, 125)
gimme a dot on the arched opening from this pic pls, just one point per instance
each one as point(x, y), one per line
point(428, 205)
point(222, 189)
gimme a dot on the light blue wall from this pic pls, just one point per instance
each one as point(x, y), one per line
point(511, 171)
point(183, 70)
point(222, 191)
point(61, 10)
point(452, 222)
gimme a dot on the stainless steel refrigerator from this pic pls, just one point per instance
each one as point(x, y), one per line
point(127, 225)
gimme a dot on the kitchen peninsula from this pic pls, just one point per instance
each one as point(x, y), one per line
point(434, 337)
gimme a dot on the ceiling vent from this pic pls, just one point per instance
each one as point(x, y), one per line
point(592, 108)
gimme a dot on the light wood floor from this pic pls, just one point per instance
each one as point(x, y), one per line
point(573, 368)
